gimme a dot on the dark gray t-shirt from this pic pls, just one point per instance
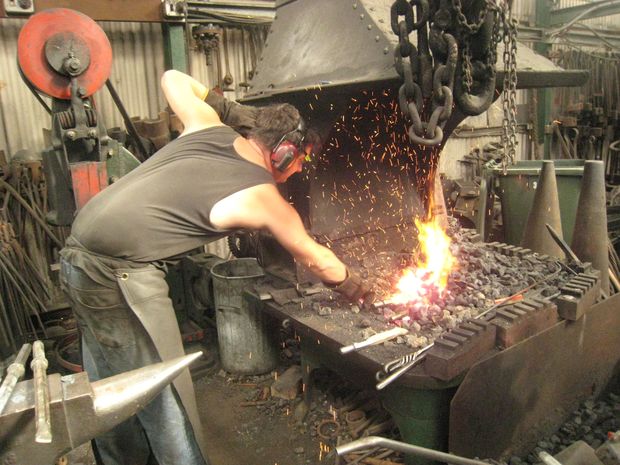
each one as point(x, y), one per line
point(161, 209)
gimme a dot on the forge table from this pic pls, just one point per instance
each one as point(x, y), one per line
point(418, 403)
point(501, 406)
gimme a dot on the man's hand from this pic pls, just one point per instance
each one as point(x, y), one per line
point(354, 289)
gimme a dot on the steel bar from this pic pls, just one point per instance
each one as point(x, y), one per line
point(41, 394)
point(29, 209)
point(6, 331)
point(376, 441)
point(131, 128)
point(563, 245)
point(16, 286)
point(401, 371)
point(375, 339)
point(12, 274)
point(14, 373)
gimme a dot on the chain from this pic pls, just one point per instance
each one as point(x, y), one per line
point(509, 94)
point(429, 89)
point(472, 28)
point(468, 79)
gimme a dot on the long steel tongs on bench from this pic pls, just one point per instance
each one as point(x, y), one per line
point(394, 369)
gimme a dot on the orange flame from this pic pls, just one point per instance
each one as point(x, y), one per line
point(432, 272)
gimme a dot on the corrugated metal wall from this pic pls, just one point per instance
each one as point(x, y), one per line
point(137, 66)
point(21, 116)
point(604, 22)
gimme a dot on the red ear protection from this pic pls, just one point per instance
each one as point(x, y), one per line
point(285, 151)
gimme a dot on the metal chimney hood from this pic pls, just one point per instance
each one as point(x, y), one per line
point(326, 43)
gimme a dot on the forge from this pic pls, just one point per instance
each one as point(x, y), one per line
point(511, 341)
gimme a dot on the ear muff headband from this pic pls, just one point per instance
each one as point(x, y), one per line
point(285, 151)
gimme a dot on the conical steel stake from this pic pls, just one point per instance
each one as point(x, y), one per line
point(590, 233)
point(545, 210)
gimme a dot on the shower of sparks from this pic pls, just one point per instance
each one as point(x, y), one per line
point(369, 177)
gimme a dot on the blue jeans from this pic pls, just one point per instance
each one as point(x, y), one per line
point(114, 341)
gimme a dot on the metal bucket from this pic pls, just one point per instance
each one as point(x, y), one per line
point(246, 336)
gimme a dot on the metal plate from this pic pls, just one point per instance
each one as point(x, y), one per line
point(509, 401)
point(33, 63)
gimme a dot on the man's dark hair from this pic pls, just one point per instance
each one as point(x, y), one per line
point(273, 122)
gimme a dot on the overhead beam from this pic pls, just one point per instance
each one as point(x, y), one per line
point(589, 11)
point(577, 34)
point(103, 10)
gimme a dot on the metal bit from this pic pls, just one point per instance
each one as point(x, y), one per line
point(41, 394)
point(375, 339)
point(547, 458)
point(14, 373)
point(407, 449)
point(393, 365)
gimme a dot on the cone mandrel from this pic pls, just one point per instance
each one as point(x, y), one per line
point(545, 210)
point(590, 233)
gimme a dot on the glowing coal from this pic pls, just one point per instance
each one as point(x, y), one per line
point(428, 279)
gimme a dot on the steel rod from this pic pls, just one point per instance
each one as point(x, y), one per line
point(563, 245)
point(29, 209)
point(376, 441)
point(14, 373)
point(131, 128)
point(41, 394)
point(12, 273)
point(375, 339)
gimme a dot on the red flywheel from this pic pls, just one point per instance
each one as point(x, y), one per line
point(58, 43)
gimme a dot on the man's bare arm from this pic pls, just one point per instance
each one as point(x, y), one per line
point(262, 207)
point(185, 95)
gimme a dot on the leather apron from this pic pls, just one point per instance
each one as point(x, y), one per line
point(145, 291)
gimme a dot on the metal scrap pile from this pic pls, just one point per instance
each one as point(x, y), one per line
point(594, 426)
point(28, 247)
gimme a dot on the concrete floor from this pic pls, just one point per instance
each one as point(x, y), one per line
point(263, 433)
point(251, 435)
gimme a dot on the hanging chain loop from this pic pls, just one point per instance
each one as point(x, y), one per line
point(453, 63)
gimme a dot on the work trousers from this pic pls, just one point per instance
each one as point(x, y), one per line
point(114, 341)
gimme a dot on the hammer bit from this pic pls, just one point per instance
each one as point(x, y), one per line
point(14, 373)
point(41, 394)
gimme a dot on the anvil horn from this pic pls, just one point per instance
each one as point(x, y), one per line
point(119, 397)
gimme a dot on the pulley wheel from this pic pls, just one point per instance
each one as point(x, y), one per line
point(58, 43)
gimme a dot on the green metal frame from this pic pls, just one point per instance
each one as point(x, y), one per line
point(422, 417)
point(175, 46)
point(543, 109)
